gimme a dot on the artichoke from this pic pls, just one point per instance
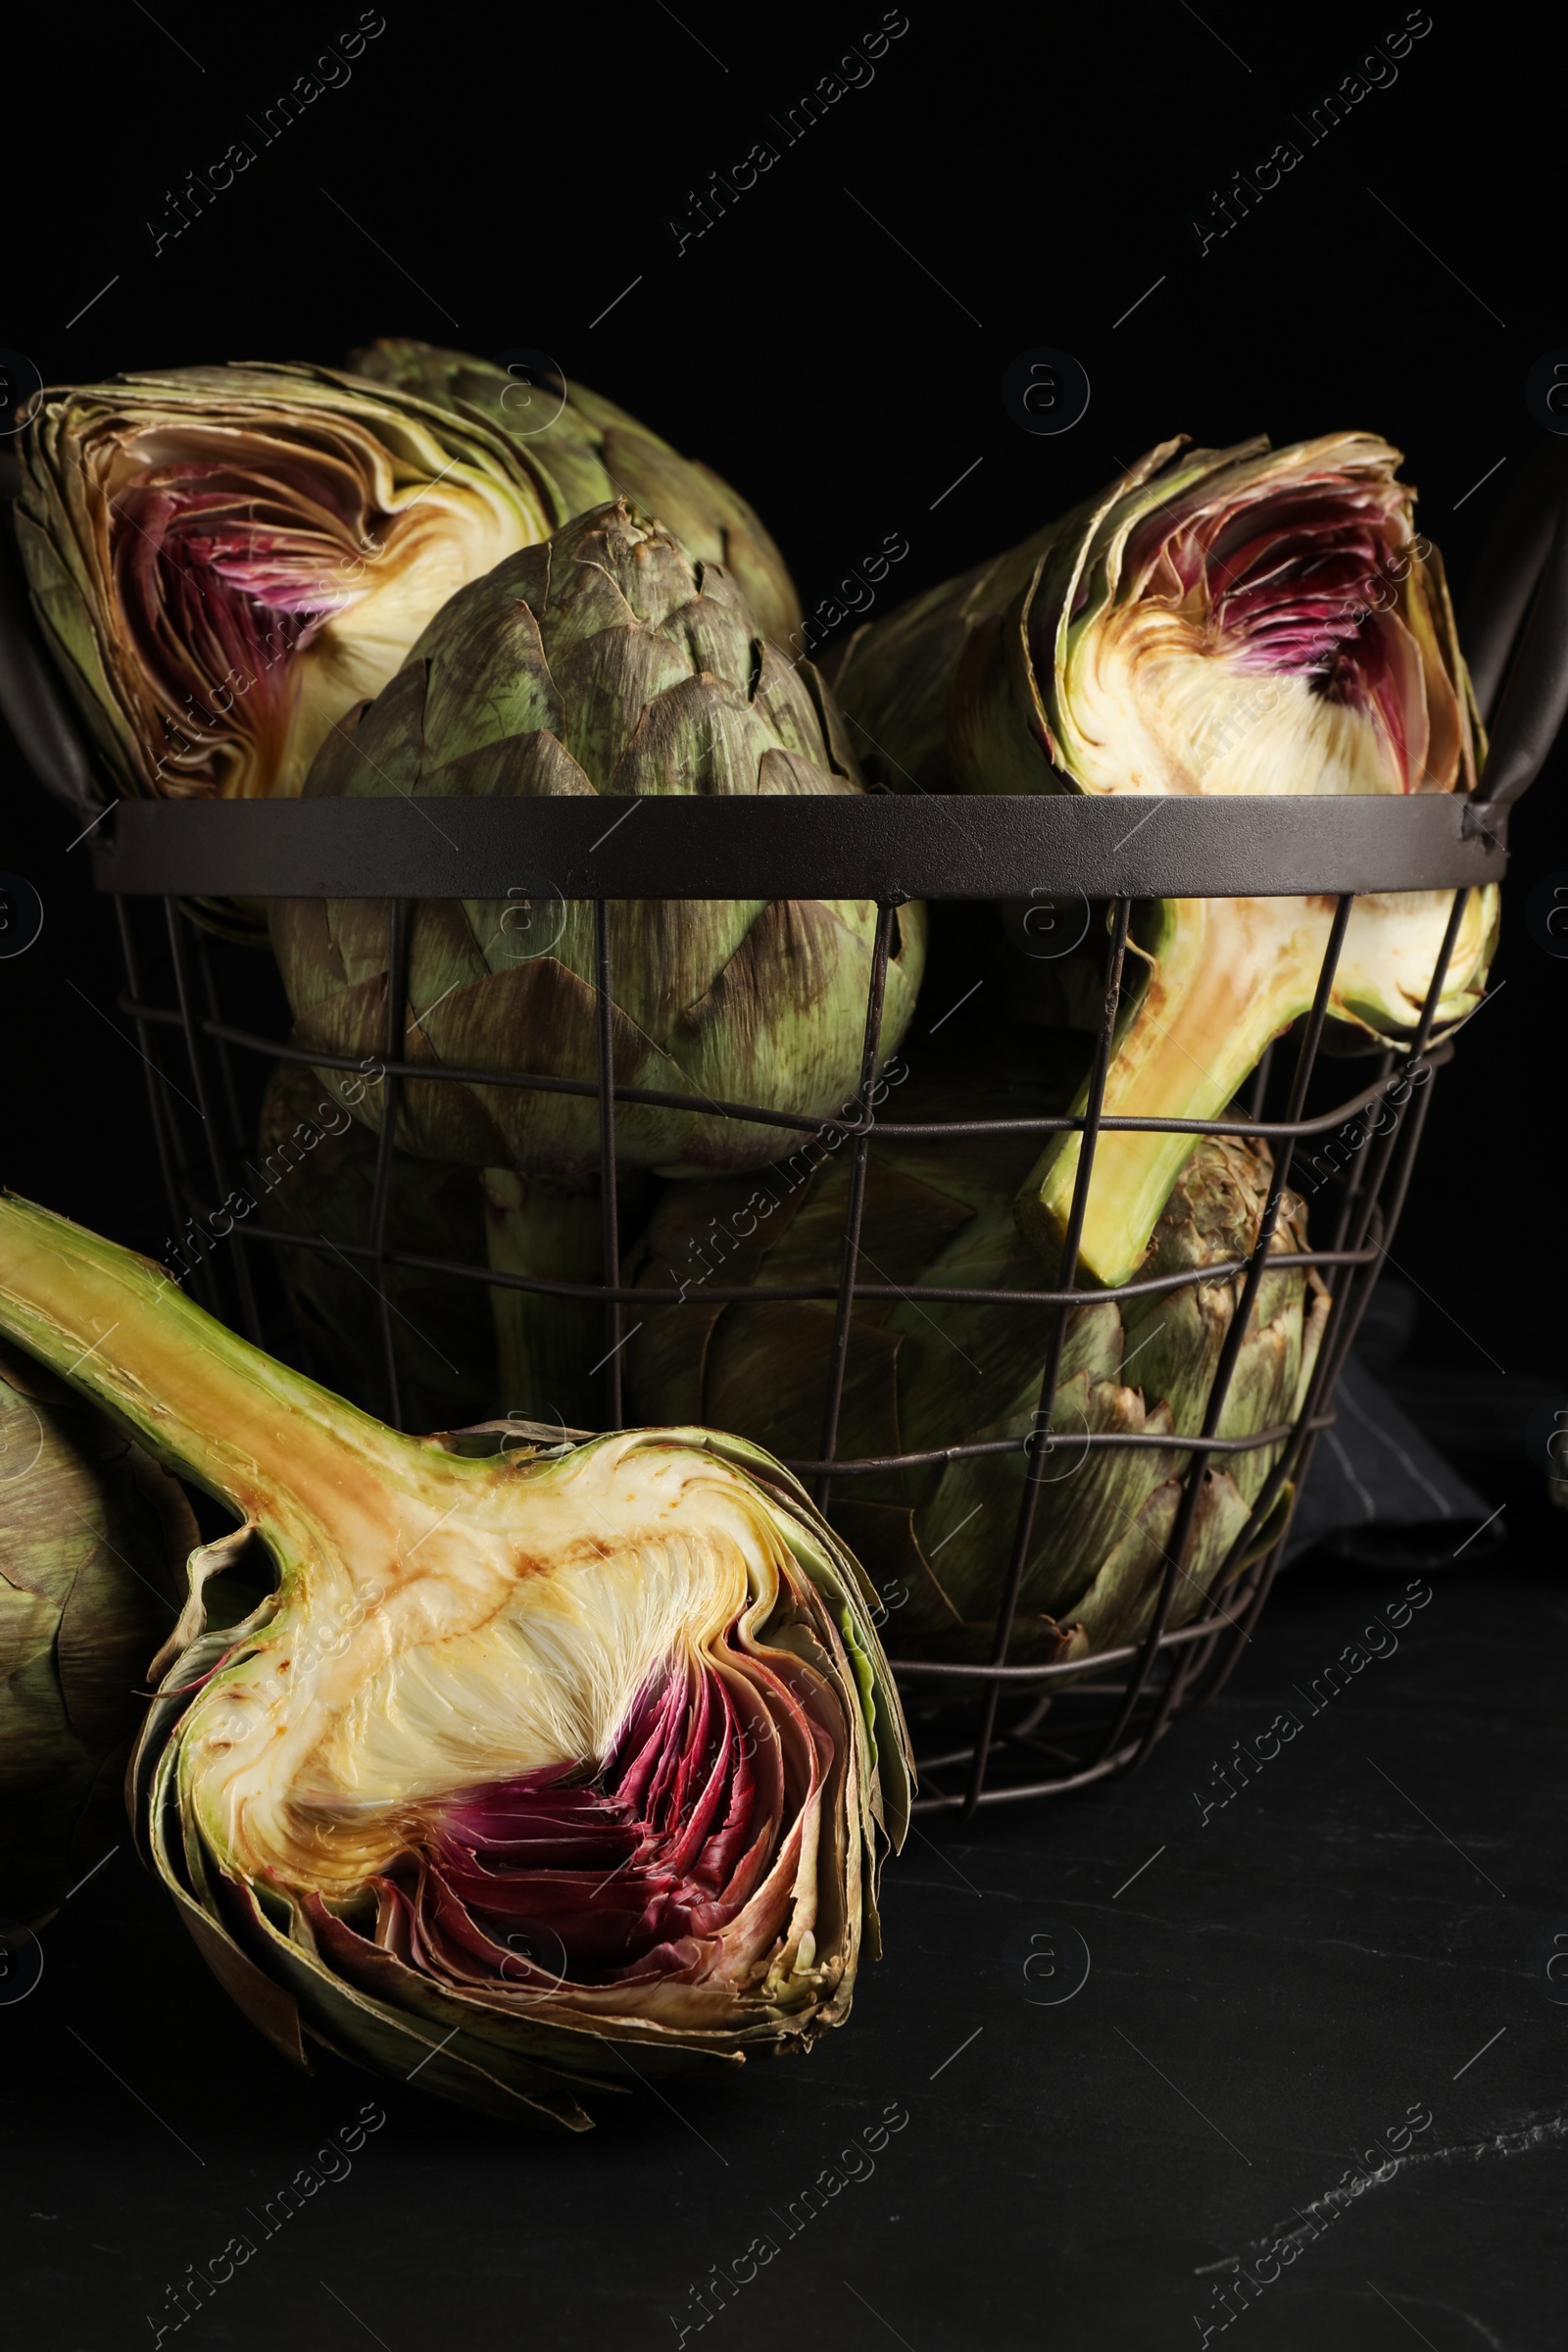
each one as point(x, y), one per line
point(92, 1540)
point(606, 662)
point(922, 1376)
point(587, 451)
point(1244, 620)
point(225, 560)
point(540, 1767)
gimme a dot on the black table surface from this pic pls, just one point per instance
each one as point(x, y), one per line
point(1312, 2090)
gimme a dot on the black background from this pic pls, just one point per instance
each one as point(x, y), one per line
point(509, 172)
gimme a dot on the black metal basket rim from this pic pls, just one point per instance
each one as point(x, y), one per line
point(753, 1114)
point(875, 845)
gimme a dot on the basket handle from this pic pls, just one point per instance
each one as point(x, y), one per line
point(1516, 627)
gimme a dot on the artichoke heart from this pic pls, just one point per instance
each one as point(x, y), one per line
point(538, 1754)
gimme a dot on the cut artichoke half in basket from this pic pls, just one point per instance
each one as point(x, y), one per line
point(1225, 622)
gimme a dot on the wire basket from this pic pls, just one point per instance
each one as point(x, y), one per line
point(985, 1731)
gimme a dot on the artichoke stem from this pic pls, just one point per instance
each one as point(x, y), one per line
point(1227, 975)
point(208, 1403)
point(1212, 1005)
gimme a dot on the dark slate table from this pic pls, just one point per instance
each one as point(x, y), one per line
point(1312, 2090)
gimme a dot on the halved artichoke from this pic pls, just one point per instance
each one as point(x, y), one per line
point(540, 1767)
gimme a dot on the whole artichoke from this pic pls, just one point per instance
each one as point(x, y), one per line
point(540, 1767)
point(1233, 622)
point(922, 1376)
point(604, 662)
point(93, 1541)
point(225, 560)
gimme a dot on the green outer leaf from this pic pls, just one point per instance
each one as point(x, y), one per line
point(321, 1178)
point(593, 451)
point(546, 1348)
point(90, 1540)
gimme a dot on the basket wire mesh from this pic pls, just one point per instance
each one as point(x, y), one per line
point(1032, 1729)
